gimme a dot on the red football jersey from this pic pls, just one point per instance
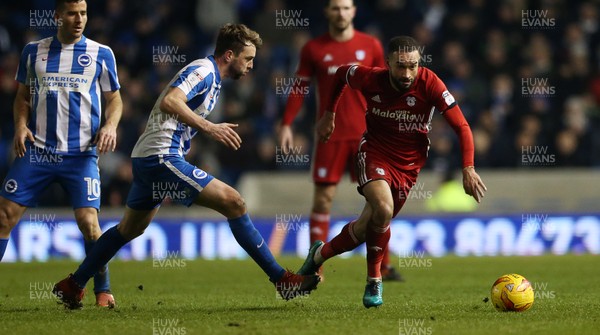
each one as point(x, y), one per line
point(320, 58)
point(398, 122)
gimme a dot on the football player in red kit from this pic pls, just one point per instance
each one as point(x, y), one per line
point(401, 101)
point(320, 58)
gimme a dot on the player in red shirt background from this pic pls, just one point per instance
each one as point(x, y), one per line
point(401, 101)
point(320, 58)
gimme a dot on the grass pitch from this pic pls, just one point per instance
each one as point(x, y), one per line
point(440, 296)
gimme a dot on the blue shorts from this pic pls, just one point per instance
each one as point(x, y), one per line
point(31, 174)
point(170, 176)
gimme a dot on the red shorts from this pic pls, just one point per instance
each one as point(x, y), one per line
point(332, 159)
point(375, 166)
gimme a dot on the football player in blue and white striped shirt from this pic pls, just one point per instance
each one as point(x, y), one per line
point(160, 170)
point(58, 136)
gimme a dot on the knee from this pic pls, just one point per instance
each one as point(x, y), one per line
point(322, 200)
point(322, 204)
point(382, 214)
point(7, 221)
point(10, 214)
point(235, 206)
point(88, 225)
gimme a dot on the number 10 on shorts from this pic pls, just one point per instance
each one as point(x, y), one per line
point(93, 188)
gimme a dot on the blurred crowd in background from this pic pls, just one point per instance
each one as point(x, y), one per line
point(525, 73)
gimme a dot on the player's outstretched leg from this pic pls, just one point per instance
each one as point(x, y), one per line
point(319, 252)
point(288, 284)
point(227, 201)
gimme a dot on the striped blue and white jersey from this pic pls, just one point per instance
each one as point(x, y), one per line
point(65, 82)
point(165, 134)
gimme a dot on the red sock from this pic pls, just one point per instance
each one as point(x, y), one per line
point(319, 227)
point(377, 240)
point(344, 241)
point(385, 262)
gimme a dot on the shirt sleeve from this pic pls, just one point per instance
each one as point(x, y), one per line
point(441, 97)
point(109, 81)
point(355, 76)
point(306, 66)
point(294, 102)
point(305, 72)
point(445, 103)
point(347, 75)
point(193, 81)
point(24, 64)
point(456, 120)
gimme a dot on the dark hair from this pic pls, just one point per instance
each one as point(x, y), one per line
point(328, 3)
point(60, 4)
point(403, 44)
point(235, 37)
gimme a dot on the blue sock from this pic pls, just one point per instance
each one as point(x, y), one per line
point(106, 247)
point(101, 278)
point(250, 239)
point(3, 244)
